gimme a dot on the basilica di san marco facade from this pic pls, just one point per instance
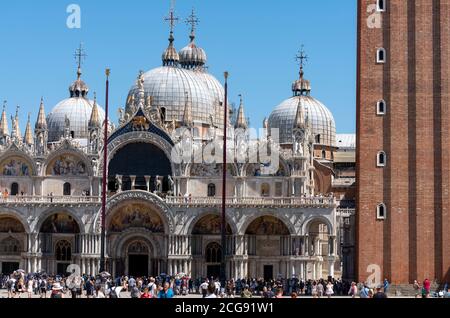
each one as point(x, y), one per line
point(163, 210)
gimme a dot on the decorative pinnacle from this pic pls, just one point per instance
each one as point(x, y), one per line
point(79, 55)
point(301, 58)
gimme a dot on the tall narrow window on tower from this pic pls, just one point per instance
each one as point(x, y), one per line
point(381, 211)
point(381, 159)
point(381, 107)
point(381, 56)
point(381, 5)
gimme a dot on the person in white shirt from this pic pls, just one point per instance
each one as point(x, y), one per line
point(211, 290)
point(204, 288)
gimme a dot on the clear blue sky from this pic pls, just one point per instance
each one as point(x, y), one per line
point(255, 40)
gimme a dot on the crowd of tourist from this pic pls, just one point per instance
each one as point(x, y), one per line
point(104, 286)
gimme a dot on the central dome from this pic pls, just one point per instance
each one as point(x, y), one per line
point(168, 85)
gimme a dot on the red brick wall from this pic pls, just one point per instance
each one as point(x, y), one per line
point(413, 243)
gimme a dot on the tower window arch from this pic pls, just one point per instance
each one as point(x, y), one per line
point(381, 211)
point(211, 190)
point(67, 189)
point(381, 5)
point(381, 55)
point(381, 107)
point(324, 154)
point(381, 159)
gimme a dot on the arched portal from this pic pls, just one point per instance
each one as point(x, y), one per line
point(207, 252)
point(136, 231)
point(266, 242)
point(12, 238)
point(59, 242)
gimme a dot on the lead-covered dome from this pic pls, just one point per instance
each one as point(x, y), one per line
point(74, 112)
point(321, 119)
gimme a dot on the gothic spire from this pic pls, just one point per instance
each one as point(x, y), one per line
point(300, 122)
point(41, 122)
point(28, 139)
point(94, 121)
point(241, 121)
point(4, 122)
point(16, 134)
point(187, 116)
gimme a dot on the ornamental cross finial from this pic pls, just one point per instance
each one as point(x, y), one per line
point(193, 21)
point(172, 19)
point(301, 58)
point(80, 55)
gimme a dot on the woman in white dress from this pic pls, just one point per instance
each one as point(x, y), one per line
point(30, 288)
point(329, 290)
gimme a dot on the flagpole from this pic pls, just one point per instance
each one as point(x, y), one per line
point(104, 181)
point(224, 187)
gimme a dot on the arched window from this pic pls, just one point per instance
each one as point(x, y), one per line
point(163, 114)
point(10, 246)
point(265, 190)
point(381, 159)
point(381, 107)
point(211, 190)
point(318, 139)
point(67, 189)
point(63, 251)
point(381, 56)
point(381, 211)
point(213, 253)
point(381, 5)
point(14, 188)
point(324, 154)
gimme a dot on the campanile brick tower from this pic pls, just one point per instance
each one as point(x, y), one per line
point(403, 145)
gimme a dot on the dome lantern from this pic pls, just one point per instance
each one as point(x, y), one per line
point(192, 56)
point(170, 56)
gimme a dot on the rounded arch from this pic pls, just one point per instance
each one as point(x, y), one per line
point(64, 219)
point(11, 246)
point(121, 246)
point(67, 161)
point(144, 197)
point(204, 216)
point(315, 220)
point(14, 163)
point(115, 145)
point(270, 224)
point(147, 160)
point(15, 215)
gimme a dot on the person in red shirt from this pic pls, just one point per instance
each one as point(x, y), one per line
point(146, 294)
point(426, 288)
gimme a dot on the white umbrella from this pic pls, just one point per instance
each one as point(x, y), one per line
point(105, 274)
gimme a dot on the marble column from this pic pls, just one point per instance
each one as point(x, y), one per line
point(133, 182)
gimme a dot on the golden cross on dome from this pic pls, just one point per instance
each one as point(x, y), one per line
point(192, 20)
point(301, 57)
point(80, 55)
point(172, 19)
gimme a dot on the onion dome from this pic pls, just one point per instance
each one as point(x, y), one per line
point(41, 122)
point(28, 138)
point(78, 88)
point(4, 122)
point(170, 56)
point(241, 121)
point(192, 56)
